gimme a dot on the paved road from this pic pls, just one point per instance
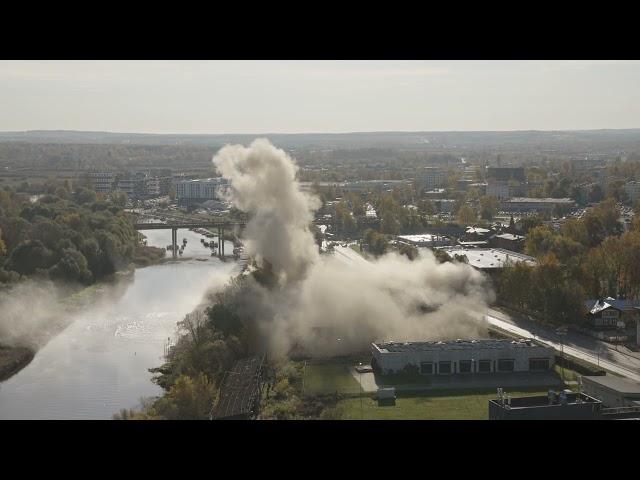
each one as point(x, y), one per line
point(348, 255)
point(574, 344)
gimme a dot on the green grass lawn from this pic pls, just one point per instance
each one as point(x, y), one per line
point(432, 406)
point(329, 378)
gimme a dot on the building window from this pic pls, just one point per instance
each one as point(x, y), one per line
point(464, 366)
point(426, 368)
point(506, 365)
point(484, 366)
point(444, 368)
point(538, 364)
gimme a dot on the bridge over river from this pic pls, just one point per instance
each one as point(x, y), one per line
point(174, 226)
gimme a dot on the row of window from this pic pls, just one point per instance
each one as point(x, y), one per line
point(480, 366)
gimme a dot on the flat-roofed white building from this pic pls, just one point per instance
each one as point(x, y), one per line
point(463, 356)
point(199, 190)
point(424, 240)
point(488, 259)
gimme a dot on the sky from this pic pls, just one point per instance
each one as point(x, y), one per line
point(210, 97)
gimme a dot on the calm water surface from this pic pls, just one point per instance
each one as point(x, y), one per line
point(99, 363)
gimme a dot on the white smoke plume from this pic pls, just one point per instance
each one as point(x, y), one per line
point(321, 304)
point(263, 180)
point(29, 313)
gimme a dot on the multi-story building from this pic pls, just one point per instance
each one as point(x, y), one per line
point(190, 192)
point(134, 184)
point(505, 182)
point(102, 182)
point(633, 191)
point(433, 178)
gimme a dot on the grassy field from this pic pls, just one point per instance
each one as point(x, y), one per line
point(329, 378)
point(432, 406)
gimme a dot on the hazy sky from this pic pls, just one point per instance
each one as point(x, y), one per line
point(317, 96)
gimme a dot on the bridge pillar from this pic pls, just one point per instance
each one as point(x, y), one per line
point(174, 242)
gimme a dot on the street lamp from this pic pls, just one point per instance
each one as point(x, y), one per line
point(561, 331)
point(361, 400)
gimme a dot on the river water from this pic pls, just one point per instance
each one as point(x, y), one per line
point(99, 363)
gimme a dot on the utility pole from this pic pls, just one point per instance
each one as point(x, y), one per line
point(561, 331)
point(361, 399)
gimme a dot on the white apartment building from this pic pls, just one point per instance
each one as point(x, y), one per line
point(199, 190)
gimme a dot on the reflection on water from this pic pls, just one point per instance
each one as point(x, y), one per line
point(99, 363)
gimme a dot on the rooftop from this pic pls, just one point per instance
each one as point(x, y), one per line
point(423, 238)
point(489, 258)
point(595, 306)
point(510, 236)
point(492, 344)
point(618, 384)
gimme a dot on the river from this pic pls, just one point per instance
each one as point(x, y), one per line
point(99, 363)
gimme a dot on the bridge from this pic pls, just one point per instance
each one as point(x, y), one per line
point(220, 225)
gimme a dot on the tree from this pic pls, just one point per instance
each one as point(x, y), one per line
point(466, 215)
point(29, 256)
point(190, 398)
point(85, 196)
point(488, 207)
point(3, 247)
point(73, 266)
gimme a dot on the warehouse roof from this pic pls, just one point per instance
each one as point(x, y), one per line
point(489, 258)
point(618, 384)
point(493, 344)
point(510, 236)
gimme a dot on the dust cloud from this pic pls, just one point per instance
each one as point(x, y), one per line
point(321, 304)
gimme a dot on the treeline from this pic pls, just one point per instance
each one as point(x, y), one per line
point(588, 258)
point(66, 234)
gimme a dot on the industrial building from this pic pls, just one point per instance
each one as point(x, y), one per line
point(564, 405)
point(612, 391)
point(488, 259)
point(463, 357)
point(424, 240)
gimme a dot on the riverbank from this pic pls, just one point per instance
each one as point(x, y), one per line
point(13, 359)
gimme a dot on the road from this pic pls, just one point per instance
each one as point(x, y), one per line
point(574, 344)
point(348, 255)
